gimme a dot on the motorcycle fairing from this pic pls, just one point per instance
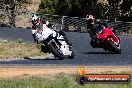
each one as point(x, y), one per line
point(106, 35)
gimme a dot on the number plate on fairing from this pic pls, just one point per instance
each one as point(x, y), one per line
point(65, 49)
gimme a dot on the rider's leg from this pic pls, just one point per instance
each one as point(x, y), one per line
point(66, 38)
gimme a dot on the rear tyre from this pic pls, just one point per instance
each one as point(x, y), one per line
point(114, 48)
point(55, 51)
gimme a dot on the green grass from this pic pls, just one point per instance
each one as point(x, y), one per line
point(18, 48)
point(59, 81)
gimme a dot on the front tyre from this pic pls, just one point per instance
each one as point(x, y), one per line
point(114, 48)
point(72, 55)
point(55, 51)
point(44, 49)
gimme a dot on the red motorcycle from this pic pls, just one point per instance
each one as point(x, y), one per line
point(106, 39)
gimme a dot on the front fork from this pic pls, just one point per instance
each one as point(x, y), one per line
point(116, 41)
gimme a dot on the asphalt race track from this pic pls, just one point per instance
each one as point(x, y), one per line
point(85, 54)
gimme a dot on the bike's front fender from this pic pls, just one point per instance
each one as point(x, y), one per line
point(115, 41)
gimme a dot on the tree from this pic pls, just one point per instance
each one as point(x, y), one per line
point(126, 6)
point(113, 8)
point(10, 6)
point(47, 6)
point(65, 7)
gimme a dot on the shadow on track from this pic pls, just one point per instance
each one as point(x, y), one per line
point(28, 58)
point(98, 53)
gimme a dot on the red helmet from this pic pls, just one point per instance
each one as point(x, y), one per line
point(90, 19)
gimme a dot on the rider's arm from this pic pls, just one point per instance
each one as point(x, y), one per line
point(88, 26)
point(102, 23)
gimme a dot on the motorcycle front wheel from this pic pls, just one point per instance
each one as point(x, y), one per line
point(72, 55)
point(114, 48)
point(54, 49)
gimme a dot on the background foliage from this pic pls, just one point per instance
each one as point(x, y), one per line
point(13, 7)
point(114, 9)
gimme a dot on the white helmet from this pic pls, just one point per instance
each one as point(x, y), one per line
point(35, 17)
point(89, 17)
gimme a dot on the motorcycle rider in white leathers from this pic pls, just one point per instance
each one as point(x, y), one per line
point(37, 22)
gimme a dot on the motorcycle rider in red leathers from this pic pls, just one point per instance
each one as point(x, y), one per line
point(93, 29)
point(102, 35)
point(91, 23)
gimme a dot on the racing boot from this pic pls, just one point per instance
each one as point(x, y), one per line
point(67, 41)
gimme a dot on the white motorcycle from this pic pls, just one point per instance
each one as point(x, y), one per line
point(54, 42)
